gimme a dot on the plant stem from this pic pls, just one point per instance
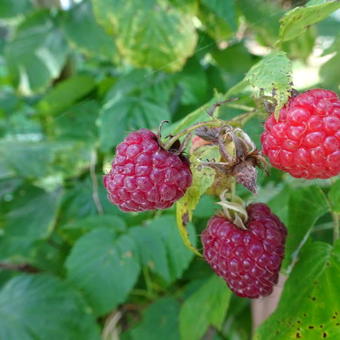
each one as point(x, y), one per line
point(211, 123)
point(24, 267)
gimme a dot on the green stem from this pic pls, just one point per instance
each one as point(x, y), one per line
point(211, 123)
point(240, 107)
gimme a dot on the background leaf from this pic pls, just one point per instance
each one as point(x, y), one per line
point(298, 19)
point(104, 267)
point(206, 306)
point(26, 313)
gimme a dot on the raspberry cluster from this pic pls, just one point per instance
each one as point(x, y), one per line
point(248, 260)
point(305, 140)
point(144, 176)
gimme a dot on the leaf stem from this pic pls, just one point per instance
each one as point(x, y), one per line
point(211, 123)
point(24, 267)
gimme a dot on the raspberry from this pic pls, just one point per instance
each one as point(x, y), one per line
point(248, 260)
point(144, 176)
point(305, 141)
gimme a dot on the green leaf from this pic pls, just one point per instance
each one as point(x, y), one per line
point(122, 115)
point(309, 306)
point(161, 249)
point(36, 54)
point(42, 159)
point(164, 41)
point(225, 10)
point(297, 20)
point(272, 72)
point(263, 17)
point(73, 230)
point(334, 196)
point(34, 307)
point(179, 257)
point(66, 93)
point(305, 206)
point(152, 251)
point(10, 8)
point(104, 267)
point(206, 306)
point(83, 116)
point(218, 19)
point(202, 179)
point(89, 37)
point(30, 216)
point(160, 321)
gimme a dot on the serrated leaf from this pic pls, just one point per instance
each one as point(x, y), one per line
point(73, 230)
point(66, 93)
point(334, 196)
point(305, 206)
point(163, 313)
point(297, 20)
point(30, 216)
point(164, 41)
point(43, 307)
point(178, 255)
point(202, 179)
point(152, 251)
point(104, 267)
point(36, 53)
point(122, 115)
point(89, 37)
point(272, 72)
point(309, 307)
point(205, 306)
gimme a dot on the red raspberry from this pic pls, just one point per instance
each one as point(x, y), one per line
point(144, 176)
point(248, 260)
point(305, 141)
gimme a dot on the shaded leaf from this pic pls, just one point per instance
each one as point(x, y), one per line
point(205, 306)
point(36, 54)
point(36, 307)
point(160, 321)
point(89, 37)
point(30, 216)
point(66, 93)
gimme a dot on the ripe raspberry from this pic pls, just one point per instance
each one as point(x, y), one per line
point(305, 141)
point(248, 260)
point(144, 176)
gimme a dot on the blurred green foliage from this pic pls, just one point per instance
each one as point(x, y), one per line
point(75, 78)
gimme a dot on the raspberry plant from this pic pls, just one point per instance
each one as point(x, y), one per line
point(120, 120)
